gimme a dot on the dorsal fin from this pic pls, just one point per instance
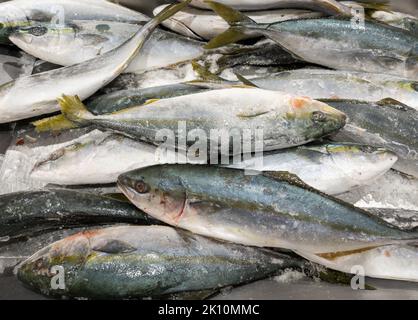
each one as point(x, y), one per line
point(288, 177)
point(394, 104)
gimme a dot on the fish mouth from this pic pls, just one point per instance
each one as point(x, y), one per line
point(126, 190)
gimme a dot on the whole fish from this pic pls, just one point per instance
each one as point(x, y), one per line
point(268, 210)
point(193, 22)
point(22, 12)
point(386, 124)
point(14, 64)
point(336, 43)
point(388, 262)
point(82, 40)
point(25, 214)
point(330, 84)
point(284, 119)
point(139, 262)
point(330, 168)
point(37, 94)
point(326, 6)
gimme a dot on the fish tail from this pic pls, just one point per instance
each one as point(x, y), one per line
point(238, 21)
point(73, 109)
point(170, 11)
point(53, 124)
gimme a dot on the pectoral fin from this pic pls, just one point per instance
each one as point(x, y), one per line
point(113, 247)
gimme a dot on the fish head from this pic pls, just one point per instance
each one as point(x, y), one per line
point(156, 190)
point(360, 162)
point(314, 119)
point(11, 18)
point(66, 257)
point(38, 34)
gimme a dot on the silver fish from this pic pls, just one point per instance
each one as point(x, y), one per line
point(95, 159)
point(268, 210)
point(336, 43)
point(327, 6)
point(102, 157)
point(286, 120)
point(330, 168)
point(138, 262)
point(36, 95)
point(193, 22)
point(331, 84)
point(82, 40)
point(22, 12)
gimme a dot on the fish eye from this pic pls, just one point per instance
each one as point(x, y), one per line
point(318, 116)
point(142, 187)
point(38, 31)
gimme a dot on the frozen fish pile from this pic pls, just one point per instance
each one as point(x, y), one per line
point(212, 145)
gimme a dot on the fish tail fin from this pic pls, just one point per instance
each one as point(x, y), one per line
point(56, 123)
point(238, 21)
point(170, 11)
point(230, 15)
point(73, 109)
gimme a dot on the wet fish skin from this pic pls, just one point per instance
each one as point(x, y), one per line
point(22, 12)
point(137, 262)
point(263, 53)
point(82, 40)
point(286, 120)
point(193, 22)
point(270, 210)
point(335, 43)
point(331, 84)
point(37, 94)
point(330, 168)
point(330, 7)
point(386, 124)
point(103, 103)
point(383, 13)
point(29, 213)
point(388, 262)
point(98, 159)
point(12, 254)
